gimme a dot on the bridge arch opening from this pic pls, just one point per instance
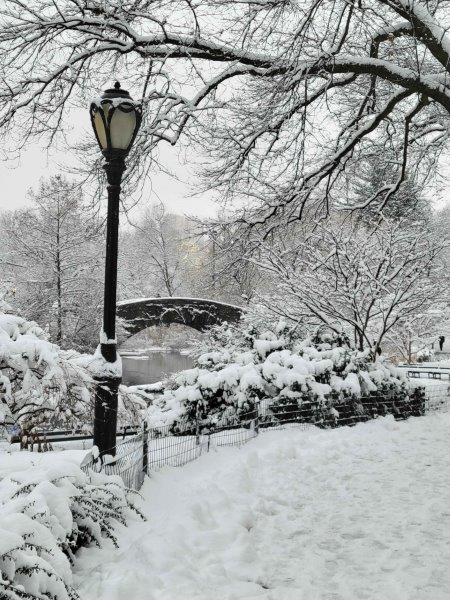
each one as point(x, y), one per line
point(156, 333)
point(163, 337)
point(198, 313)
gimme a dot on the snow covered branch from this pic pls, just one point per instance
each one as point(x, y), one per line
point(353, 279)
point(264, 90)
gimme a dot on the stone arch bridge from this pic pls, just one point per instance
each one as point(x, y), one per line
point(192, 312)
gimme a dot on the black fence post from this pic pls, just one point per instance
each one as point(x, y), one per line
point(197, 427)
point(257, 419)
point(145, 448)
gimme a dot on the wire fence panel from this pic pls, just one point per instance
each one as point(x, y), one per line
point(155, 448)
point(173, 451)
point(127, 462)
point(232, 437)
point(438, 397)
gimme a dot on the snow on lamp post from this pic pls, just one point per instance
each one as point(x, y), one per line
point(116, 119)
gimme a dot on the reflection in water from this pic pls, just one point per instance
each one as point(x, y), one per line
point(149, 366)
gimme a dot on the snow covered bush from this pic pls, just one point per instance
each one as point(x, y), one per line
point(43, 386)
point(322, 380)
point(39, 382)
point(46, 514)
point(424, 355)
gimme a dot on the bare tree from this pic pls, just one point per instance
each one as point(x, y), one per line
point(53, 261)
point(415, 334)
point(350, 278)
point(154, 260)
point(286, 96)
point(229, 278)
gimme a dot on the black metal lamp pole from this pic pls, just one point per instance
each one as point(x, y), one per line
point(106, 394)
point(116, 119)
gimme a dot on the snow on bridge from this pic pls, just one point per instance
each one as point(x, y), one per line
point(198, 313)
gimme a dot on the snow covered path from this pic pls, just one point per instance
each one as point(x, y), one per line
point(357, 513)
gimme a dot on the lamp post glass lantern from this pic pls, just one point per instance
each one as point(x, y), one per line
point(115, 118)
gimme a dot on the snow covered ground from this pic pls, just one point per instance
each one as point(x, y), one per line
point(12, 462)
point(357, 513)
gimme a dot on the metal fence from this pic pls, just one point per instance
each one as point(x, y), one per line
point(128, 462)
point(154, 448)
point(440, 374)
point(437, 397)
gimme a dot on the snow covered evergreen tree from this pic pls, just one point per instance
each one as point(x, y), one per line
point(407, 203)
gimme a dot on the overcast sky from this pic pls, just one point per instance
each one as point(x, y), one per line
point(18, 176)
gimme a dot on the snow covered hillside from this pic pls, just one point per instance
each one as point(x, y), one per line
point(347, 514)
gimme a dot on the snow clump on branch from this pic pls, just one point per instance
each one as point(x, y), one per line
point(43, 386)
point(39, 382)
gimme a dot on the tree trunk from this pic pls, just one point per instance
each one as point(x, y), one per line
point(59, 326)
point(360, 341)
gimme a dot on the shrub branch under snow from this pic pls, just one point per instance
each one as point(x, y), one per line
point(45, 516)
point(323, 377)
point(44, 386)
point(39, 382)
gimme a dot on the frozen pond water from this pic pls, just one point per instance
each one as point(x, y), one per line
point(152, 365)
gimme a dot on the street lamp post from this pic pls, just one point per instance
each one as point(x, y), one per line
point(116, 119)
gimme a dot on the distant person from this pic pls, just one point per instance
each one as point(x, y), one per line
point(441, 342)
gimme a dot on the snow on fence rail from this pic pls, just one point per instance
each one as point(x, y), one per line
point(154, 448)
point(44, 440)
point(429, 374)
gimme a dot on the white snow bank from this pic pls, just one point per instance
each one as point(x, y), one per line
point(11, 463)
point(346, 514)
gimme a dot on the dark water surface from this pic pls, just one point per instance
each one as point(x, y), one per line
point(151, 366)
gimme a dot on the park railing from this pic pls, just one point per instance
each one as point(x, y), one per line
point(43, 440)
point(440, 374)
point(154, 448)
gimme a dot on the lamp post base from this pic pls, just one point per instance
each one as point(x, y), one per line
point(105, 414)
